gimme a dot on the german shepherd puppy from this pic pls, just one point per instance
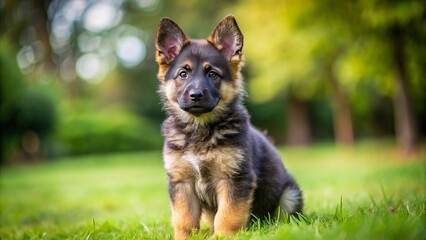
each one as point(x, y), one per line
point(218, 165)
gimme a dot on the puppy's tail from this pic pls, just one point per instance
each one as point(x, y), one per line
point(291, 200)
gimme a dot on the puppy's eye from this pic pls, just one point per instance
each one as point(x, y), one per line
point(183, 74)
point(212, 75)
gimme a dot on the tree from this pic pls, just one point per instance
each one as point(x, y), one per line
point(399, 23)
point(307, 45)
point(298, 55)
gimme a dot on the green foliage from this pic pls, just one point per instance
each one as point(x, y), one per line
point(11, 78)
point(321, 120)
point(271, 115)
point(368, 192)
point(380, 15)
point(301, 38)
point(306, 49)
point(33, 111)
point(106, 130)
point(24, 108)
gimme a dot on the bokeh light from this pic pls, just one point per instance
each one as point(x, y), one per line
point(91, 68)
point(101, 16)
point(130, 50)
point(25, 58)
point(147, 5)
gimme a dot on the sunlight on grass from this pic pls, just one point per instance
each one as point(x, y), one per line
point(364, 192)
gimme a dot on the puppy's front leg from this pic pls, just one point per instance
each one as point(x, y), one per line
point(186, 209)
point(234, 207)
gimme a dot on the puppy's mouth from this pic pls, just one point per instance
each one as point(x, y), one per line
point(197, 109)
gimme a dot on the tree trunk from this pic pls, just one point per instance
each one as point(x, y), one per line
point(405, 122)
point(342, 120)
point(298, 127)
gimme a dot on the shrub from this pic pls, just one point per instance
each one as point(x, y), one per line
point(107, 130)
point(27, 112)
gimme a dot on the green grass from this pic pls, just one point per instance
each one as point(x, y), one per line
point(368, 192)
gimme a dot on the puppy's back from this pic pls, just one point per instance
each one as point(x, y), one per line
point(276, 188)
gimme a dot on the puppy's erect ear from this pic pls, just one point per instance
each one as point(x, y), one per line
point(227, 37)
point(170, 39)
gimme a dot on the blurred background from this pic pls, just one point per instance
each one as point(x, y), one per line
point(79, 76)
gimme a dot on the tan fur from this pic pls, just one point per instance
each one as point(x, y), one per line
point(179, 171)
point(185, 211)
point(162, 69)
point(231, 216)
point(222, 162)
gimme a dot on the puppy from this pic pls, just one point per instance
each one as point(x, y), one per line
point(218, 165)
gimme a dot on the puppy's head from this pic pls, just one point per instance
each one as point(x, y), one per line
point(198, 78)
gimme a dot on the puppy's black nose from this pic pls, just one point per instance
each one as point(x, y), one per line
point(196, 95)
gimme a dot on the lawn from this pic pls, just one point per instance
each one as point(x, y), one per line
point(366, 192)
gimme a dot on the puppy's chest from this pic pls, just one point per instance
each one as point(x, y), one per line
point(214, 163)
point(203, 156)
point(210, 168)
